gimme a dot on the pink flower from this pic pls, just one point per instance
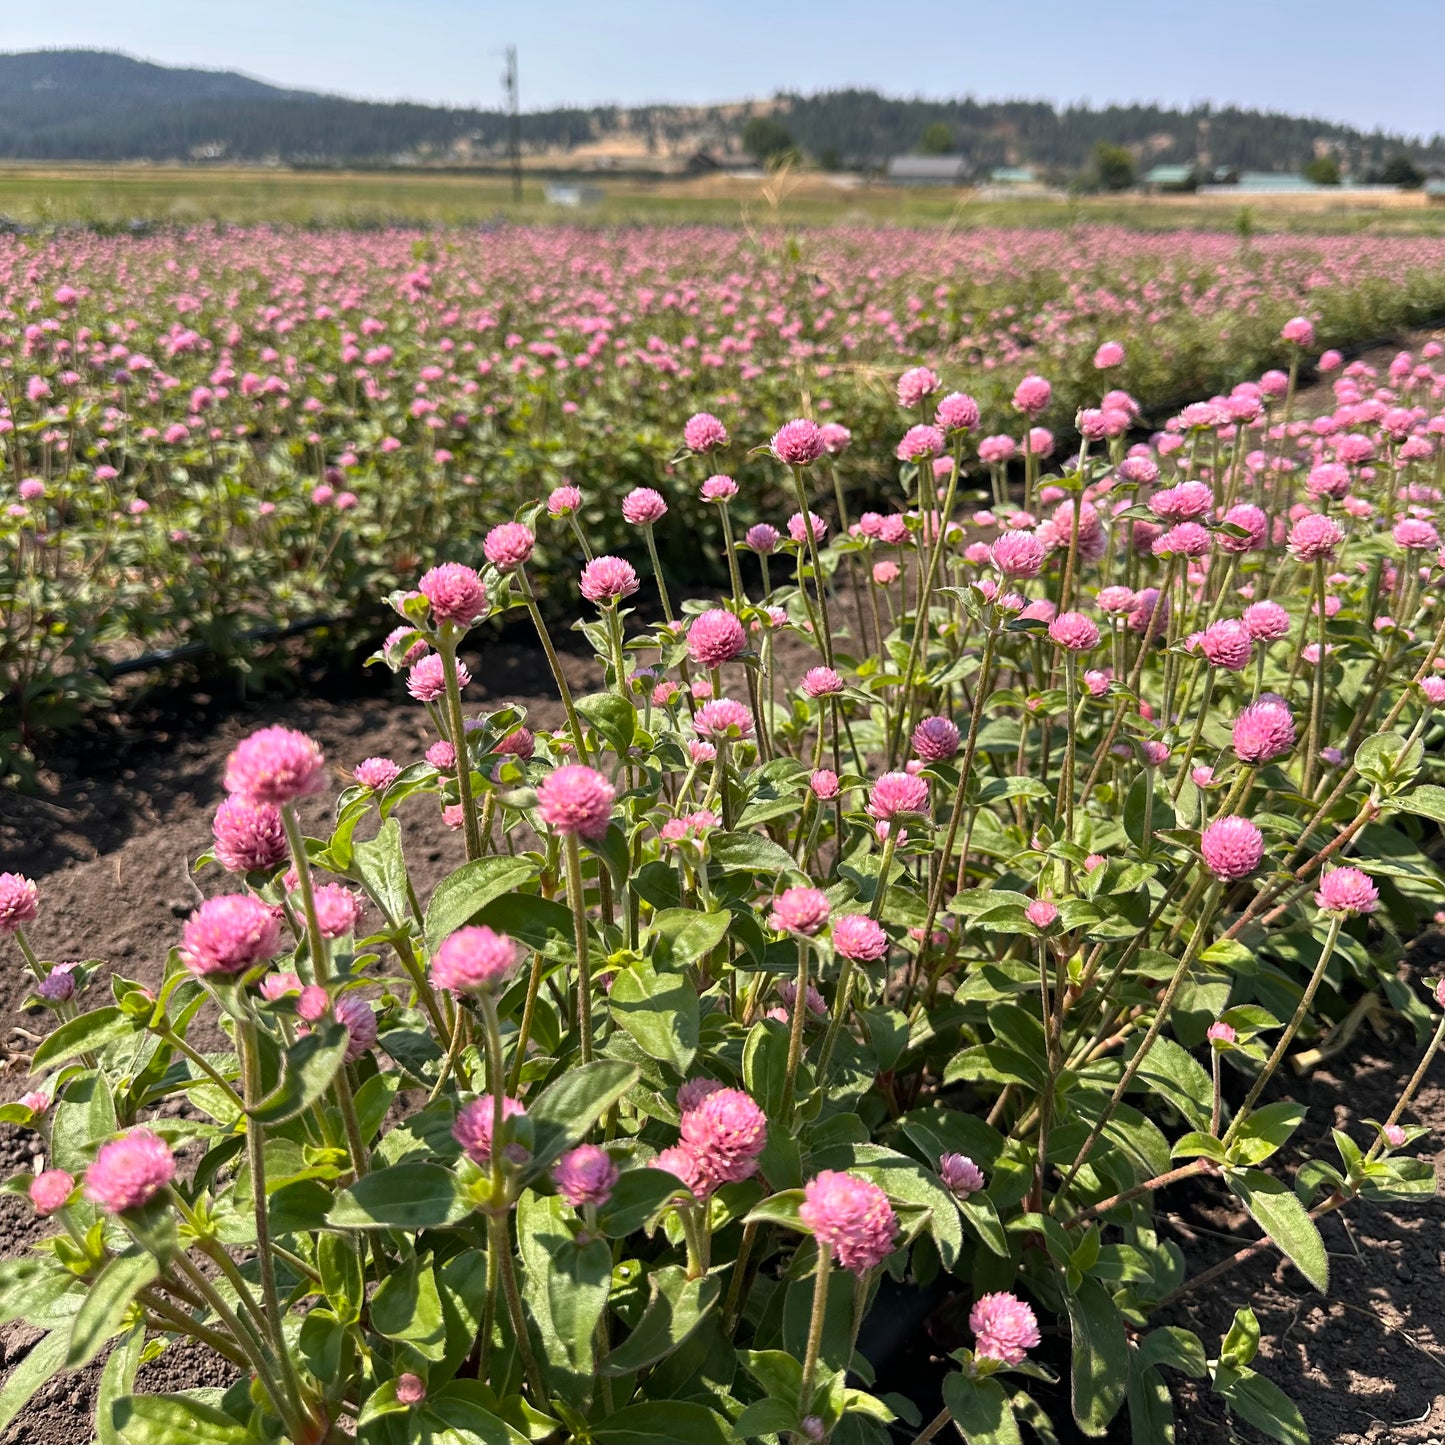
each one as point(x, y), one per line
point(520, 743)
point(473, 1129)
point(935, 739)
point(564, 501)
point(725, 1132)
point(896, 793)
point(704, 433)
point(58, 986)
point(608, 579)
point(442, 756)
point(1264, 731)
point(1005, 1328)
point(248, 835)
point(683, 1164)
point(1416, 535)
point(374, 774)
point(1019, 554)
point(763, 539)
point(719, 489)
point(1314, 537)
point(338, 910)
point(715, 637)
point(1395, 1136)
point(1220, 1033)
point(414, 653)
point(1073, 632)
point(1329, 361)
point(472, 959)
point(1266, 621)
point(275, 765)
point(836, 438)
point(821, 682)
point(1042, 913)
point(798, 530)
point(359, 1018)
point(410, 1389)
point(915, 384)
point(850, 1216)
point(1187, 539)
point(1255, 524)
point(799, 910)
point(1032, 395)
point(957, 412)
point(1109, 354)
point(858, 937)
point(576, 799)
point(1232, 848)
point(129, 1171)
point(1298, 331)
point(230, 933)
point(1227, 644)
point(643, 506)
point(426, 682)
point(885, 573)
point(585, 1175)
point(960, 1175)
point(455, 592)
point(797, 443)
point(49, 1191)
point(824, 784)
point(920, 443)
point(508, 546)
point(1115, 599)
point(1348, 892)
point(1434, 690)
point(724, 718)
point(313, 1003)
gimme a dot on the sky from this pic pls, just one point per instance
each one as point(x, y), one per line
point(1368, 66)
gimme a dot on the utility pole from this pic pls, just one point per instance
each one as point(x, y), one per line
point(514, 123)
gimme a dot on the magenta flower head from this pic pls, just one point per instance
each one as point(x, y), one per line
point(935, 739)
point(455, 592)
point(724, 718)
point(798, 529)
point(715, 637)
point(1032, 395)
point(1227, 644)
point(1019, 554)
point(694, 1091)
point(836, 438)
point(576, 799)
point(564, 501)
point(1264, 731)
point(957, 412)
point(1415, 534)
point(1186, 539)
point(359, 1018)
point(1042, 913)
point(1074, 632)
point(643, 506)
point(1266, 621)
point(916, 384)
point(1232, 848)
point(858, 937)
point(704, 433)
point(230, 933)
point(129, 1171)
point(275, 765)
point(1315, 537)
point(1185, 503)
point(920, 444)
point(507, 547)
point(248, 835)
point(1298, 331)
point(58, 986)
point(1255, 524)
point(585, 1175)
point(606, 580)
point(850, 1216)
point(1111, 353)
point(376, 775)
point(1394, 1135)
point(1347, 892)
point(719, 489)
point(49, 1191)
point(427, 681)
point(725, 1132)
point(472, 960)
point(1005, 1328)
point(1220, 1032)
point(822, 682)
point(410, 1389)
point(895, 793)
point(338, 910)
point(473, 1129)
point(797, 443)
point(19, 902)
point(960, 1175)
point(799, 910)
point(763, 539)
point(824, 784)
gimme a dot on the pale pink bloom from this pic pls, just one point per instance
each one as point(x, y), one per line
point(683, 1164)
point(1019, 554)
point(49, 1190)
point(1264, 730)
point(607, 580)
point(1298, 331)
point(920, 443)
point(960, 1175)
point(338, 910)
point(824, 784)
point(576, 799)
point(895, 793)
point(473, 1129)
point(1416, 535)
point(725, 1132)
point(885, 573)
point(359, 1018)
point(410, 1389)
point(798, 530)
point(858, 937)
point(719, 489)
point(1315, 537)
point(935, 739)
point(836, 438)
point(694, 1091)
point(442, 756)
point(473, 959)
point(373, 774)
point(1347, 891)
point(822, 682)
point(763, 539)
point(1042, 913)
point(1074, 632)
point(276, 765)
point(1255, 524)
point(1395, 1136)
point(129, 1171)
point(1232, 848)
point(1220, 1033)
point(797, 443)
point(915, 385)
point(643, 506)
point(508, 546)
point(799, 910)
point(703, 432)
point(427, 681)
point(248, 835)
point(1111, 353)
point(1227, 644)
point(715, 637)
point(1266, 621)
point(957, 412)
point(455, 593)
point(1005, 1328)
point(1186, 539)
point(564, 501)
point(724, 718)
point(1032, 395)
point(850, 1216)
point(230, 933)
point(1115, 599)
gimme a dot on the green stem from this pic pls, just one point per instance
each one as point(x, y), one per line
point(795, 1034)
point(499, 1242)
point(574, 723)
point(579, 933)
point(815, 1329)
point(447, 647)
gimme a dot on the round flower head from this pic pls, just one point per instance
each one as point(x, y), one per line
point(1187, 539)
point(473, 1129)
point(797, 443)
point(19, 902)
point(1005, 1328)
point(414, 653)
point(472, 959)
point(442, 756)
point(643, 506)
point(455, 592)
point(576, 799)
point(1314, 537)
point(1415, 534)
point(960, 1175)
point(724, 718)
point(129, 1171)
point(1266, 621)
point(895, 793)
point(427, 681)
point(248, 835)
point(935, 739)
point(338, 910)
point(1220, 1033)
point(763, 539)
point(1298, 331)
point(49, 1191)
point(715, 637)
point(1348, 892)
point(1042, 913)
point(1227, 644)
point(957, 412)
point(1185, 503)
point(1264, 731)
point(725, 1132)
point(1111, 353)
point(507, 547)
point(229, 934)
point(694, 1091)
point(1395, 1136)
point(608, 579)
point(360, 1020)
point(798, 529)
point(58, 986)
point(1032, 395)
point(1019, 554)
point(585, 1175)
point(915, 384)
point(851, 1216)
point(1074, 632)
point(1255, 524)
point(1232, 848)
point(836, 438)
point(410, 1389)
point(719, 489)
point(799, 910)
point(275, 765)
point(822, 682)
point(1434, 690)
point(824, 784)
point(564, 501)
point(1115, 599)
point(704, 433)
point(683, 1164)
point(313, 1003)
point(920, 443)
point(376, 775)
point(858, 937)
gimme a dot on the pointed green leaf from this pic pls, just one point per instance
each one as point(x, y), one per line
point(981, 1411)
point(1274, 1207)
point(104, 1308)
point(677, 1307)
point(460, 896)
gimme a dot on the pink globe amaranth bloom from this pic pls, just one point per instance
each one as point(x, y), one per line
point(724, 717)
point(564, 501)
point(129, 1171)
point(338, 910)
point(797, 443)
point(643, 506)
point(230, 933)
point(313, 1003)
point(1042, 913)
point(1115, 599)
point(719, 489)
point(410, 1389)
point(694, 1091)
point(507, 547)
point(1074, 632)
point(576, 799)
point(248, 835)
point(1329, 361)
point(896, 793)
point(1227, 644)
point(414, 653)
point(1232, 848)
point(725, 1132)
point(427, 681)
point(1348, 892)
point(957, 412)
point(836, 438)
point(822, 682)
point(520, 743)
point(442, 756)
point(49, 1191)
point(1395, 1136)
point(58, 986)
point(1328, 479)
point(1187, 539)
point(1019, 554)
point(455, 592)
point(1440, 992)
point(374, 774)
point(824, 784)
point(935, 739)
point(851, 1216)
point(1032, 395)
point(1298, 331)
point(1266, 621)
point(763, 539)
point(1416, 535)
point(1004, 1327)
point(798, 529)
point(278, 985)
point(473, 1129)
point(960, 1175)
point(1264, 730)
point(799, 910)
point(1255, 524)
point(472, 959)
point(1220, 1033)
point(1314, 537)
point(715, 637)
point(885, 573)
point(703, 432)
point(919, 444)
point(608, 579)
point(1111, 353)
point(585, 1175)
point(360, 1020)
point(276, 765)
point(858, 937)
point(683, 1164)
point(701, 752)
point(917, 383)
point(1434, 690)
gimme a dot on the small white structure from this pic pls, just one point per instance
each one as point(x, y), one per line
point(928, 171)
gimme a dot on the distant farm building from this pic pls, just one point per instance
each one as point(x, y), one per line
point(1013, 176)
point(1167, 178)
point(928, 170)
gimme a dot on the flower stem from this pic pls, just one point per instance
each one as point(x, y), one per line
point(815, 1329)
point(579, 934)
point(795, 1034)
point(574, 723)
point(447, 647)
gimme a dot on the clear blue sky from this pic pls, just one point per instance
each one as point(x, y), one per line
point(1371, 64)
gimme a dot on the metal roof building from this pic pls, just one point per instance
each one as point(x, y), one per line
point(928, 170)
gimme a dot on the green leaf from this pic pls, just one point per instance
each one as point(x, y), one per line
point(659, 1010)
point(105, 1304)
point(577, 1288)
point(690, 933)
point(1241, 1344)
point(568, 1107)
point(1279, 1213)
point(1266, 1130)
point(749, 853)
point(1179, 1078)
point(89, 1033)
point(1151, 1408)
point(664, 1420)
point(46, 1357)
point(408, 1196)
point(1178, 1348)
point(677, 1306)
point(117, 1379)
point(1262, 1403)
point(981, 1411)
point(465, 1410)
point(379, 864)
point(307, 1070)
point(1428, 801)
point(781, 1208)
point(638, 1196)
point(777, 1372)
point(1100, 1357)
point(373, 1099)
point(460, 896)
point(407, 1307)
point(165, 1419)
point(612, 716)
point(766, 1417)
point(765, 1064)
point(341, 1275)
